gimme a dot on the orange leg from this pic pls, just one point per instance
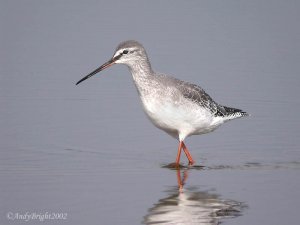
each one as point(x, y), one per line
point(178, 153)
point(188, 154)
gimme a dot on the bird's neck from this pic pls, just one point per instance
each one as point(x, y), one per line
point(141, 73)
point(142, 69)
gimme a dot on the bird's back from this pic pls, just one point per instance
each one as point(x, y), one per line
point(197, 95)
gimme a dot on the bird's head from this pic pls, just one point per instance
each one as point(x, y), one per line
point(128, 53)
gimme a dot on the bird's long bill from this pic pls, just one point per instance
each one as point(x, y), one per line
point(104, 66)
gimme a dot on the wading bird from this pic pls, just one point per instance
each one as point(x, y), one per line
point(177, 107)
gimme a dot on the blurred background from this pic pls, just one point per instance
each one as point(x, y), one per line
point(89, 150)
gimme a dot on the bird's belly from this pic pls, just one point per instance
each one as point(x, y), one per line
point(178, 119)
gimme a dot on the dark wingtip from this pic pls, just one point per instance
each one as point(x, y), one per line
point(244, 113)
point(234, 113)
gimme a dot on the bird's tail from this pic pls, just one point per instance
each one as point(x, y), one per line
point(232, 113)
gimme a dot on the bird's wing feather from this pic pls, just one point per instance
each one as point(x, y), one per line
point(199, 96)
point(196, 94)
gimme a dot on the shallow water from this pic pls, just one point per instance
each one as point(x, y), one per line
point(88, 155)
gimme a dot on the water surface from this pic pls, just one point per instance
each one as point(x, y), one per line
point(88, 152)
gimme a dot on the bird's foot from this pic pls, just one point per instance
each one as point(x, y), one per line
point(191, 163)
point(174, 165)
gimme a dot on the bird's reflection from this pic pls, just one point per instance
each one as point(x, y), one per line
point(191, 206)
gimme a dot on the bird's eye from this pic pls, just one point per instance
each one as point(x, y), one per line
point(125, 51)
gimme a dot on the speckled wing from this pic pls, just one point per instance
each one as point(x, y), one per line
point(196, 94)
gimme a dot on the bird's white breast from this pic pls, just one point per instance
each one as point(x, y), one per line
point(178, 118)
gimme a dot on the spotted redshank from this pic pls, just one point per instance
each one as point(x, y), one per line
point(177, 107)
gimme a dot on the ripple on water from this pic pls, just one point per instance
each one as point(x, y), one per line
point(245, 166)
